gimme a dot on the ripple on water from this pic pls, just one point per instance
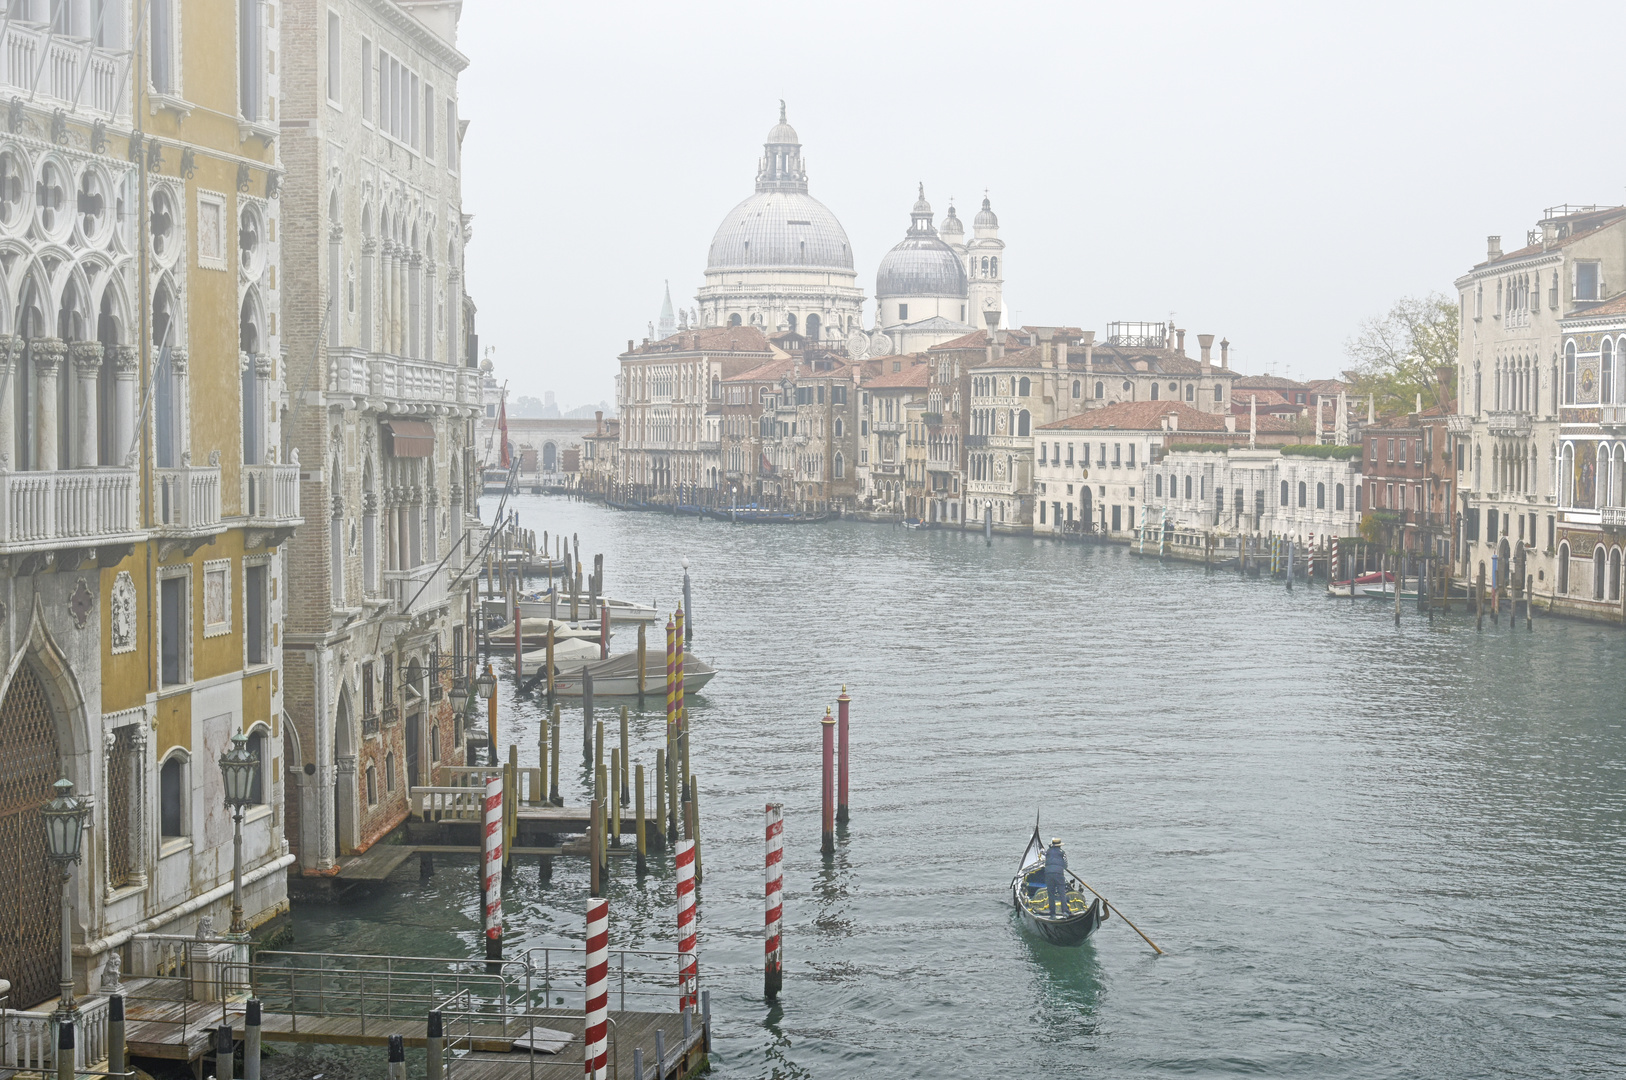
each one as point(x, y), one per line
point(1370, 852)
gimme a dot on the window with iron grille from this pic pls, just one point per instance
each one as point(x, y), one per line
point(434, 674)
point(367, 708)
point(120, 797)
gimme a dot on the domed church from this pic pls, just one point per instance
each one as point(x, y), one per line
point(780, 259)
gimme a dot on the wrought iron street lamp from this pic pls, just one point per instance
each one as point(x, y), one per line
point(486, 683)
point(240, 767)
point(64, 836)
point(459, 696)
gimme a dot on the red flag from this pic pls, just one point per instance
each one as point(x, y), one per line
point(502, 433)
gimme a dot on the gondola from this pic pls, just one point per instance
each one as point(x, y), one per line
point(1032, 902)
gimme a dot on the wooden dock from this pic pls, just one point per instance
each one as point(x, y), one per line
point(161, 1027)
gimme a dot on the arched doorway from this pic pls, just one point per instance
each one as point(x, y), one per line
point(550, 457)
point(1085, 516)
point(31, 902)
point(345, 807)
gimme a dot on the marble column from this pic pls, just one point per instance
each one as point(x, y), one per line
point(11, 349)
point(48, 355)
point(263, 410)
point(87, 367)
point(124, 380)
point(183, 405)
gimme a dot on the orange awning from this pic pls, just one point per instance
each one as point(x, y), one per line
point(411, 438)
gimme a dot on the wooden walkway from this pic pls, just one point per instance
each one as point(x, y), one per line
point(383, 860)
point(158, 1027)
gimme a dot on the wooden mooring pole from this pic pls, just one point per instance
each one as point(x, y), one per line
point(638, 820)
point(553, 783)
point(827, 844)
point(844, 755)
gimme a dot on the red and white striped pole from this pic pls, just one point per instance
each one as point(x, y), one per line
point(773, 956)
point(842, 813)
point(491, 876)
point(828, 846)
point(596, 1054)
point(688, 963)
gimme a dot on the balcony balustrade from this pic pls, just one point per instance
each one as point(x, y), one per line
point(418, 590)
point(1507, 422)
point(54, 69)
point(67, 508)
point(889, 427)
point(186, 503)
point(1613, 516)
point(1459, 424)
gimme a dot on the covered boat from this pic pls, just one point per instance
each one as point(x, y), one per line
point(537, 605)
point(536, 631)
point(1032, 901)
point(569, 654)
point(618, 676)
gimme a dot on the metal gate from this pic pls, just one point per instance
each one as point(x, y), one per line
point(31, 901)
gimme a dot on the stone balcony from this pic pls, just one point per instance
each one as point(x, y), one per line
point(1459, 424)
point(68, 508)
point(1613, 517)
point(55, 69)
point(186, 507)
point(401, 386)
point(417, 591)
point(270, 501)
point(1515, 424)
point(889, 427)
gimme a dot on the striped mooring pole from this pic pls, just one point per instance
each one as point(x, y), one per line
point(688, 963)
point(491, 875)
point(773, 957)
point(596, 1058)
point(827, 845)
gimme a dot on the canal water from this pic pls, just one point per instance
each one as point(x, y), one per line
point(1369, 851)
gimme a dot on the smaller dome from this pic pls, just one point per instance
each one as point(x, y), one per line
point(951, 224)
point(782, 133)
point(986, 219)
point(920, 266)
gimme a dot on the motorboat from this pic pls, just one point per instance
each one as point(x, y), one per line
point(1356, 586)
point(1078, 916)
point(618, 676)
point(571, 654)
point(540, 605)
point(535, 631)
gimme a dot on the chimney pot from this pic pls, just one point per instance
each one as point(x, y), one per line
point(1493, 247)
point(1225, 354)
point(629, 344)
point(1089, 337)
point(1206, 343)
point(1180, 342)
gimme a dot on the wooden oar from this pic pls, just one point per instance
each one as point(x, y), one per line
point(1121, 915)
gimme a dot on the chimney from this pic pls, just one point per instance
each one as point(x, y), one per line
point(1174, 421)
point(1089, 351)
point(1061, 353)
point(1419, 401)
point(629, 344)
point(1493, 248)
point(1225, 354)
point(598, 421)
point(1180, 342)
point(1206, 343)
point(1230, 423)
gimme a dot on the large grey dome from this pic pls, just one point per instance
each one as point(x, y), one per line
point(780, 228)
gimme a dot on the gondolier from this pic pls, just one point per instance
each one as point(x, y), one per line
point(1055, 875)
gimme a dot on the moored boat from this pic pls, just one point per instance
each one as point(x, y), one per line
point(1032, 901)
point(618, 676)
point(535, 631)
point(1356, 585)
point(571, 654)
point(536, 606)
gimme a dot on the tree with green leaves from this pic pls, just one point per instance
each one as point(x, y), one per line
point(1401, 354)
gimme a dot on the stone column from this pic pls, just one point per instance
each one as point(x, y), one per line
point(428, 300)
point(11, 348)
point(87, 367)
point(138, 805)
point(124, 380)
point(182, 418)
point(263, 409)
point(369, 252)
point(48, 354)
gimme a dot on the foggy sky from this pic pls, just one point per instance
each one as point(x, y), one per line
point(1271, 174)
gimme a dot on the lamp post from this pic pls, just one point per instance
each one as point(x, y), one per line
point(486, 685)
point(64, 835)
point(240, 767)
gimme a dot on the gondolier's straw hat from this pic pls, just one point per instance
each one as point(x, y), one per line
point(1055, 841)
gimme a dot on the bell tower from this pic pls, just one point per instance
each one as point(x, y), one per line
point(985, 266)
